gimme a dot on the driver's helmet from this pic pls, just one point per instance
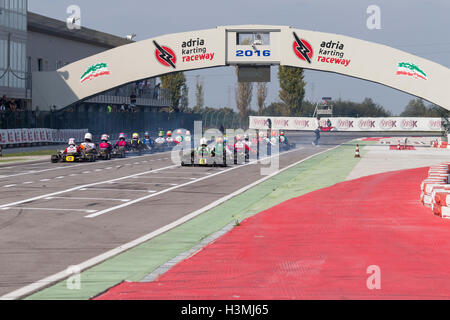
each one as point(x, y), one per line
point(179, 138)
point(219, 140)
point(121, 136)
point(188, 133)
point(160, 133)
point(274, 134)
point(281, 133)
point(146, 135)
point(104, 137)
point(245, 136)
point(261, 134)
point(71, 142)
point(238, 137)
point(135, 135)
point(169, 133)
point(203, 141)
point(225, 139)
point(179, 131)
point(88, 137)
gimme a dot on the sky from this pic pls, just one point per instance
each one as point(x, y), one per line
point(420, 27)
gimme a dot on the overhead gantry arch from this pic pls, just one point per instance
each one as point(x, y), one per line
point(222, 46)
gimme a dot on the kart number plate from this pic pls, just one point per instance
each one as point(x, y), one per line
point(202, 161)
point(70, 158)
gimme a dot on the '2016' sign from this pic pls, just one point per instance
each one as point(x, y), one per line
point(251, 53)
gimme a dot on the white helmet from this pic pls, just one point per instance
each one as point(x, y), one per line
point(104, 137)
point(88, 136)
point(188, 133)
point(203, 141)
point(72, 142)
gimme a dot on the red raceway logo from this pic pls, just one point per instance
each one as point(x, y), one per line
point(366, 124)
point(165, 55)
point(435, 124)
point(344, 124)
point(388, 123)
point(302, 49)
point(408, 124)
point(301, 123)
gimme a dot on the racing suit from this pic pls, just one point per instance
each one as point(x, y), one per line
point(71, 149)
point(136, 143)
point(121, 143)
point(87, 146)
point(105, 145)
point(147, 142)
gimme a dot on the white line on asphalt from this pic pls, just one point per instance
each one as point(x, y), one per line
point(144, 183)
point(106, 189)
point(60, 177)
point(193, 180)
point(33, 287)
point(156, 177)
point(10, 185)
point(28, 182)
point(81, 198)
point(72, 175)
point(81, 187)
point(65, 167)
point(43, 180)
point(86, 172)
point(49, 209)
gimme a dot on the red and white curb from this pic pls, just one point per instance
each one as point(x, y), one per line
point(436, 190)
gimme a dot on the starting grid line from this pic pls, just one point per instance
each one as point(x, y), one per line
point(151, 174)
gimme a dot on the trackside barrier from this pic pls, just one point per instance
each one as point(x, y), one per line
point(39, 135)
point(436, 190)
point(405, 124)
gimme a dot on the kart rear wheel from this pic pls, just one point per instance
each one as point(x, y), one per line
point(54, 158)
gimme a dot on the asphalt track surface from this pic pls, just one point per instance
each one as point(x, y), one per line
point(56, 215)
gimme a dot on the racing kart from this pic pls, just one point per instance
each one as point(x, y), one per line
point(204, 156)
point(74, 157)
point(104, 154)
point(118, 152)
point(240, 153)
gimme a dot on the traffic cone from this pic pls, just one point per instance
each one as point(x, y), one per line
point(357, 152)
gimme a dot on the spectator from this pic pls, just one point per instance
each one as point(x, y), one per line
point(122, 107)
point(133, 99)
point(3, 103)
point(109, 109)
point(156, 92)
point(13, 105)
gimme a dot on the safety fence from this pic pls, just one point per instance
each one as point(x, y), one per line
point(349, 124)
point(39, 135)
point(99, 122)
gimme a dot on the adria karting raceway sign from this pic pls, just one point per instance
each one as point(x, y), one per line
point(349, 124)
point(244, 45)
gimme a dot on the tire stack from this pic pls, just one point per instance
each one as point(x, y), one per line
point(435, 189)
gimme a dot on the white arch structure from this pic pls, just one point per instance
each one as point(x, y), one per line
point(276, 45)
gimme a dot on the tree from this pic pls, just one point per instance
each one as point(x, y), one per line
point(174, 82)
point(184, 100)
point(261, 95)
point(199, 94)
point(244, 92)
point(292, 88)
point(415, 108)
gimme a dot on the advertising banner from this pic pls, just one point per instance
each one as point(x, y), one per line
point(37, 135)
point(349, 124)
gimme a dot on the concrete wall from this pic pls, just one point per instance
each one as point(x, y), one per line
point(53, 49)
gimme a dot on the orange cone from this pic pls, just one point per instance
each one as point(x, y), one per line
point(357, 152)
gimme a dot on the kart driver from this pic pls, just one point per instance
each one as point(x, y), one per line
point(121, 142)
point(160, 139)
point(72, 147)
point(136, 142)
point(105, 143)
point(147, 141)
point(88, 145)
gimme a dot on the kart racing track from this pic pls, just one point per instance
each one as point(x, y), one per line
point(56, 215)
